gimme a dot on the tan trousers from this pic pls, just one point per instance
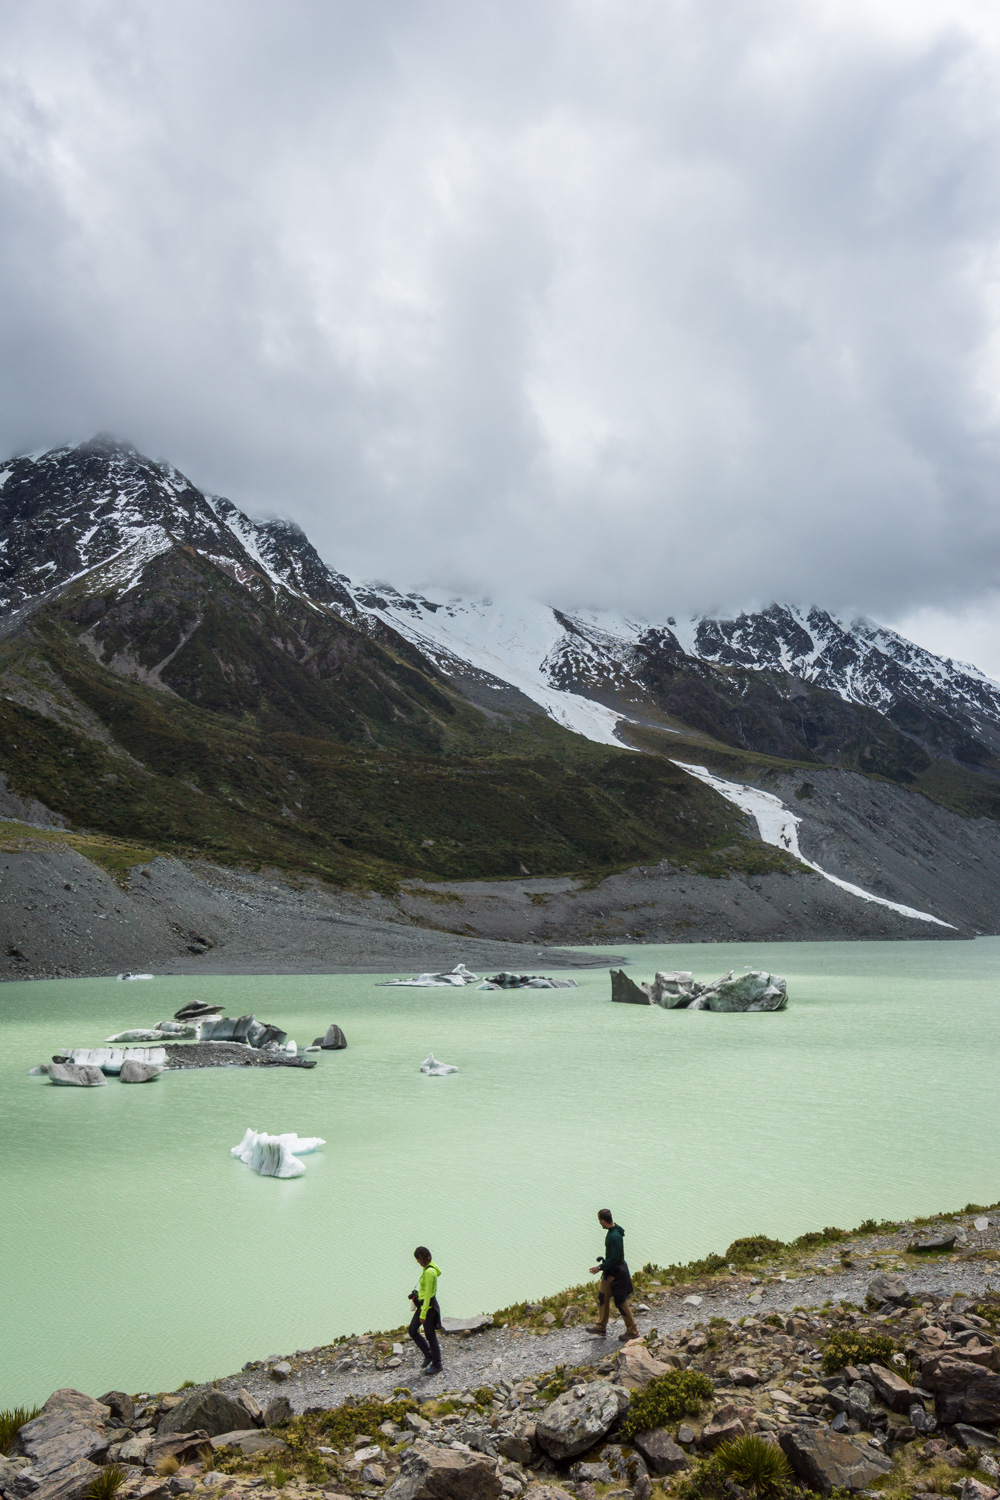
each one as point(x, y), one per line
point(604, 1310)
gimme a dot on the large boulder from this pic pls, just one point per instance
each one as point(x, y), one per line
point(626, 992)
point(658, 1448)
point(886, 1288)
point(892, 1390)
point(963, 1390)
point(826, 1461)
point(752, 991)
point(250, 1441)
point(186, 1447)
point(519, 1441)
point(278, 1412)
point(61, 1437)
point(137, 1072)
point(429, 1473)
point(635, 1366)
point(71, 1483)
point(120, 1406)
point(209, 1411)
point(70, 1076)
point(333, 1039)
point(580, 1417)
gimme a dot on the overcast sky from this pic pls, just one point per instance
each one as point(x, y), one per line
point(663, 304)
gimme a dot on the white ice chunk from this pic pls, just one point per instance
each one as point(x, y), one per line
point(110, 1059)
point(278, 1153)
point(291, 1049)
point(431, 1065)
point(135, 976)
point(141, 1035)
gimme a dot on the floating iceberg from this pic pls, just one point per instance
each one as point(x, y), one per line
point(458, 976)
point(140, 1035)
point(437, 1069)
point(110, 1059)
point(276, 1155)
point(126, 975)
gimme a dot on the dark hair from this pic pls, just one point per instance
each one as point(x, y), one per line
point(605, 1215)
point(421, 1253)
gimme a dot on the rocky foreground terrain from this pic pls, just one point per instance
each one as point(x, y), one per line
point(845, 1363)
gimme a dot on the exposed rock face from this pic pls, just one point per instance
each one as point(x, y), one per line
point(624, 991)
point(442, 1474)
point(892, 1390)
point(211, 1412)
point(963, 1390)
point(580, 1417)
point(826, 1461)
point(120, 1405)
point(332, 1040)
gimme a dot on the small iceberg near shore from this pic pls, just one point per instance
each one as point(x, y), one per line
point(127, 975)
point(436, 1069)
point(458, 976)
point(275, 1155)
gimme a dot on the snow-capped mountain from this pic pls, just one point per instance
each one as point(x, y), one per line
point(95, 515)
point(101, 505)
point(561, 659)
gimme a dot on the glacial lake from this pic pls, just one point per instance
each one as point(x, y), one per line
point(138, 1253)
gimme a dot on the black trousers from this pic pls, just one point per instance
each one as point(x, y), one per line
point(427, 1342)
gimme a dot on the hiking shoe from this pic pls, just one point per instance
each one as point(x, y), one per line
point(432, 1370)
point(624, 1338)
point(602, 1333)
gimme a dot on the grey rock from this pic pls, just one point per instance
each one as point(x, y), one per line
point(920, 1419)
point(685, 1434)
point(519, 1442)
point(184, 1446)
point(373, 1473)
point(17, 1478)
point(888, 1289)
point(204, 1411)
point(120, 1406)
point(281, 1370)
point(250, 1440)
point(580, 1417)
point(933, 1242)
point(624, 991)
point(591, 1473)
point(195, 1009)
point(972, 1437)
point(860, 1403)
point(251, 1406)
point(466, 1325)
point(892, 1390)
point(137, 1072)
point(963, 1391)
point(431, 1473)
point(135, 1450)
point(58, 1438)
point(827, 1460)
point(332, 1040)
point(69, 1075)
point(625, 1463)
point(278, 1411)
point(674, 988)
point(841, 1422)
point(70, 1483)
point(181, 1484)
point(662, 1454)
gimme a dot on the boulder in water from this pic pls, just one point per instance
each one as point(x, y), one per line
point(73, 1076)
point(436, 1069)
point(137, 1072)
point(332, 1040)
point(196, 1009)
point(674, 989)
point(625, 991)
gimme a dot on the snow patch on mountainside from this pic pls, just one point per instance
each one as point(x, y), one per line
point(780, 828)
point(510, 641)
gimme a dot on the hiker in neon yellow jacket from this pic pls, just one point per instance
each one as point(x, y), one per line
point(426, 1318)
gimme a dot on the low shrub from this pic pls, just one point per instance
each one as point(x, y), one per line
point(678, 1393)
point(107, 1482)
point(367, 1415)
point(12, 1419)
point(758, 1466)
point(280, 1477)
point(848, 1347)
point(752, 1247)
point(812, 1240)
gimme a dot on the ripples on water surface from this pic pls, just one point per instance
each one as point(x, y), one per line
point(137, 1253)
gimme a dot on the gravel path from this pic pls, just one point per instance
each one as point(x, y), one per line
point(326, 1376)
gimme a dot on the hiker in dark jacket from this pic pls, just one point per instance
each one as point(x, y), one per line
point(426, 1318)
point(616, 1281)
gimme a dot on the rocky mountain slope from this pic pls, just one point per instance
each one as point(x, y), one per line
point(176, 674)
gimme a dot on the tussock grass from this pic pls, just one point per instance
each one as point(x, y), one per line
point(167, 1466)
point(12, 1419)
point(107, 1482)
point(757, 1465)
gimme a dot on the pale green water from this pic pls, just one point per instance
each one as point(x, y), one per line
point(137, 1253)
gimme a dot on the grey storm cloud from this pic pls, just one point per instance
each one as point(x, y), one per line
point(643, 303)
